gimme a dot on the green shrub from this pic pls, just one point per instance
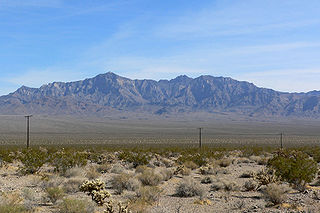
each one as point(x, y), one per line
point(66, 159)
point(294, 167)
point(54, 194)
point(32, 160)
point(75, 206)
point(136, 159)
point(196, 158)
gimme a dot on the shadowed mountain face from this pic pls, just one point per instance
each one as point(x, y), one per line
point(109, 92)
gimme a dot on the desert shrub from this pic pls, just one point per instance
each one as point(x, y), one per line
point(230, 186)
point(11, 203)
point(166, 174)
point(73, 172)
point(103, 168)
point(75, 206)
point(207, 170)
point(149, 178)
point(117, 169)
point(66, 159)
point(196, 158)
point(167, 162)
point(72, 185)
point(141, 169)
point(32, 160)
point(216, 185)
point(149, 194)
point(6, 157)
point(191, 165)
point(206, 180)
point(275, 193)
point(294, 166)
point(54, 194)
point(250, 185)
point(124, 181)
point(135, 158)
point(247, 174)
point(182, 170)
point(224, 162)
point(189, 188)
point(96, 189)
point(92, 173)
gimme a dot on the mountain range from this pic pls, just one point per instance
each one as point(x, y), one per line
point(108, 93)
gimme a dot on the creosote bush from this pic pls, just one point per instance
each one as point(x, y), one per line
point(294, 167)
point(32, 160)
point(65, 159)
point(136, 159)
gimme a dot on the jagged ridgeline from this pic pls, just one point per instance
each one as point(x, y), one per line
point(109, 92)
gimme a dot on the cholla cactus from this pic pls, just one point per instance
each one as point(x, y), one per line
point(264, 177)
point(179, 169)
point(95, 188)
point(122, 209)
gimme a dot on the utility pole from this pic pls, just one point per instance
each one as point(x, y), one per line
point(28, 129)
point(200, 138)
point(281, 136)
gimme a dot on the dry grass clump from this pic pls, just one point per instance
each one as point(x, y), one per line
point(218, 184)
point(189, 188)
point(250, 185)
point(247, 174)
point(124, 181)
point(191, 165)
point(275, 193)
point(54, 194)
point(206, 180)
point(141, 169)
point(92, 173)
point(230, 186)
point(72, 185)
point(52, 181)
point(149, 194)
point(150, 178)
point(224, 162)
point(11, 203)
point(117, 169)
point(75, 206)
point(182, 170)
point(207, 170)
point(167, 162)
point(166, 174)
point(74, 172)
point(104, 168)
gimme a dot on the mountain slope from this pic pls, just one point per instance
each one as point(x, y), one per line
point(107, 92)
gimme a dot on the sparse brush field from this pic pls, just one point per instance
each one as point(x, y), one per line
point(105, 179)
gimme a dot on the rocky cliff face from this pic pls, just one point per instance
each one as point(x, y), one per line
point(109, 91)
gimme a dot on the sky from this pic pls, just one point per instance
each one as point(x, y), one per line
point(271, 43)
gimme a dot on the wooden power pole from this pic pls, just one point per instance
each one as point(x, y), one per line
point(28, 129)
point(200, 138)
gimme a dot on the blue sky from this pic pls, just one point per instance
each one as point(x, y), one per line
point(272, 43)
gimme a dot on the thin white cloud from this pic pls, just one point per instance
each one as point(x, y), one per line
point(286, 80)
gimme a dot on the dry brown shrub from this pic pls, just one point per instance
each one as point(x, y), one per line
point(224, 162)
point(92, 173)
point(275, 193)
point(191, 165)
point(189, 188)
point(150, 178)
point(250, 185)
